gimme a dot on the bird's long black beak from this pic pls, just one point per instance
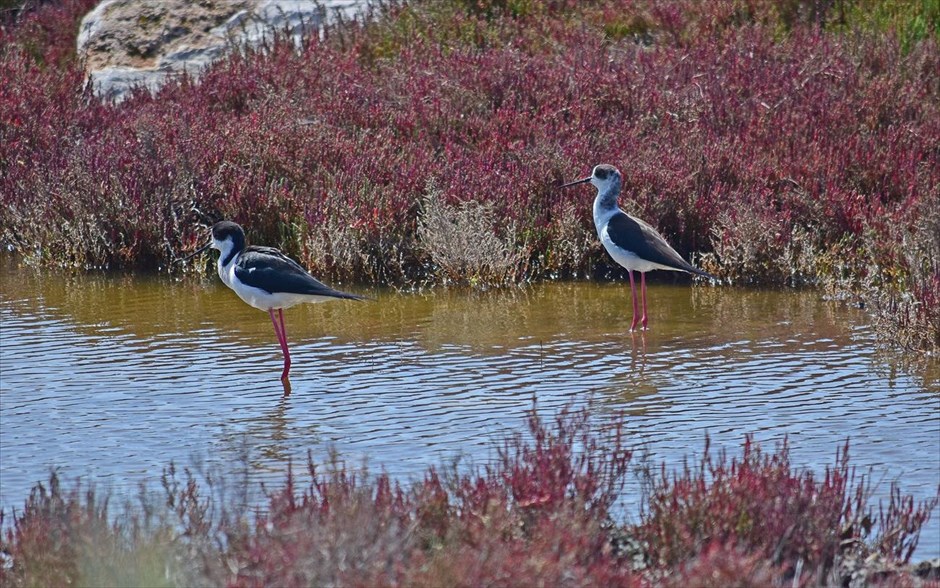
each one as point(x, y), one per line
point(193, 254)
point(581, 181)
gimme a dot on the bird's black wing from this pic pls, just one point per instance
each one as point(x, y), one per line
point(272, 271)
point(634, 235)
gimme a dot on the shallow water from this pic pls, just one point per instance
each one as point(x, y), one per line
point(113, 377)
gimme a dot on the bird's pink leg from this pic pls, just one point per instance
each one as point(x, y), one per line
point(280, 315)
point(636, 313)
point(643, 292)
point(281, 333)
point(277, 329)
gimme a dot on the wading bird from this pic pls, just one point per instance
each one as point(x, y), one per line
point(631, 242)
point(265, 278)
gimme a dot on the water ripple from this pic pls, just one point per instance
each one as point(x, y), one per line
point(115, 387)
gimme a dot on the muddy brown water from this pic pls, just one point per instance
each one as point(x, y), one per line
point(112, 377)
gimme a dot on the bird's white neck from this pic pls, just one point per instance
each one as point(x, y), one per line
point(227, 259)
point(605, 206)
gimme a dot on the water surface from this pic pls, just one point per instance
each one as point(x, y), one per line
point(112, 377)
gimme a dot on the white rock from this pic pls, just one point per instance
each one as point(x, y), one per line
point(142, 43)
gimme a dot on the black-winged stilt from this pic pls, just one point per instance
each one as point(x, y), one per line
point(265, 278)
point(631, 242)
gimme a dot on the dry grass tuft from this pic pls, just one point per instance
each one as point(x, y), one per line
point(462, 240)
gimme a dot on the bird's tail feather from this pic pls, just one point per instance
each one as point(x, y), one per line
point(694, 270)
point(348, 296)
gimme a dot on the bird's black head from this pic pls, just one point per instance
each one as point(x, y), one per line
point(228, 231)
point(228, 238)
point(604, 173)
point(603, 177)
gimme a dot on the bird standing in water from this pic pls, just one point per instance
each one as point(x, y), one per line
point(632, 243)
point(266, 279)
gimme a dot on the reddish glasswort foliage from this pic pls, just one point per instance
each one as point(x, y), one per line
point(716, 121)
point(72, 537)
point(539, 514)
point(759, 504)
point(750, 132)
point(724, 566)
